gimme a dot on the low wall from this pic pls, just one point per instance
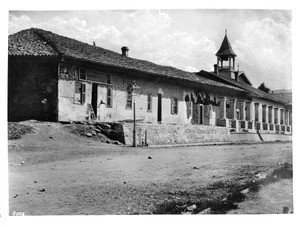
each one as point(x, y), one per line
point(273, 137)
point(169, 134)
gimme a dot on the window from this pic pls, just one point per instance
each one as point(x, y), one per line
point(149, 103)
point(109, 97)
point(82, 74)
point(79, 92)
point(129, 100)
point(174, 106)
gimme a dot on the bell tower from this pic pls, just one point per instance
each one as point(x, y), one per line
point(225, 59)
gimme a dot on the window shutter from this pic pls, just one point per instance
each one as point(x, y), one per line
point(129, 100)
point(149, 102)
point(109, 97)
point(82, 93)
point(172, 105)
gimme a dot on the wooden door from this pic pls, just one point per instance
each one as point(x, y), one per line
point(95, 98)
point(159, 108)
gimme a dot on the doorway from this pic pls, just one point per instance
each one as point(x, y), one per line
point(159, 96)
point(95, 98)
point(198, 114)
point(201, 115)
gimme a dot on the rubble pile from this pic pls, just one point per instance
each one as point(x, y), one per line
point(16, 130)
point(104, 132)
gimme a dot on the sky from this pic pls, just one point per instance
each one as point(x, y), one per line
point(186, 39)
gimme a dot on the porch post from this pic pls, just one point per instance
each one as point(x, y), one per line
point(223, 107)
point(277, 119)
point(234, 121)
point(232, 109)
point(283, 126)
point(223, 121)
point(258, 115)
point(250, 113)
point(271, 118)
point(243, 115)
point(265, 117)
point(288, 121)
point(243, 111)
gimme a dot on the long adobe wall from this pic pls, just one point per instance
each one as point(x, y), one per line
point(168, 134)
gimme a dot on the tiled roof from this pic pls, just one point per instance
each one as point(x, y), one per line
point(27, 43)
point(40, 42)
point(225, 49)
point(254, 91)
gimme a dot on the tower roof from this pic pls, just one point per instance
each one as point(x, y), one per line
point(225, 49)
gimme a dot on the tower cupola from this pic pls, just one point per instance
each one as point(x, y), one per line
point(225, 59)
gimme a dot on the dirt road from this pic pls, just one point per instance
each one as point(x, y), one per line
point(269, 200)
point(66, 174)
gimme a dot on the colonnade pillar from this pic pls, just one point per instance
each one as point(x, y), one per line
point(250, 114)
point(223, 121)
point(232, 112)
point(243, 115)
point(265, 117)
point(277, 118)
point(271, 118)
point(254, 116)
point(258, 116)
point(283, 126)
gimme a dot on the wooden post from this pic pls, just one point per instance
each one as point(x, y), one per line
point(146, 143)
point(140, 138)
point(134, 130)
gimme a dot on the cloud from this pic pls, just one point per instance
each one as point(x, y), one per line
point(146, 33)
point(182, 50)
point(265, 51)
point(147, 22)
point(18, 23)
point(263, 45)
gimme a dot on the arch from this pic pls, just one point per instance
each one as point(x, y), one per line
point(187, 98)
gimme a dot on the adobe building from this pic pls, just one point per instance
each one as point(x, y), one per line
point(261, 110)
point(56, 78)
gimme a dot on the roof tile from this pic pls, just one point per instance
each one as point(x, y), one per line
point(39, 42)
point(27, 43)
point(254, 91)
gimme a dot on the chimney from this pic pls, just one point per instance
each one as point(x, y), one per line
point(125, 51)
point(236, 75)
point(216, 69)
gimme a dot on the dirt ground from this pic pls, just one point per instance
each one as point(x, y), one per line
point(269, 200)
point(65, 174)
